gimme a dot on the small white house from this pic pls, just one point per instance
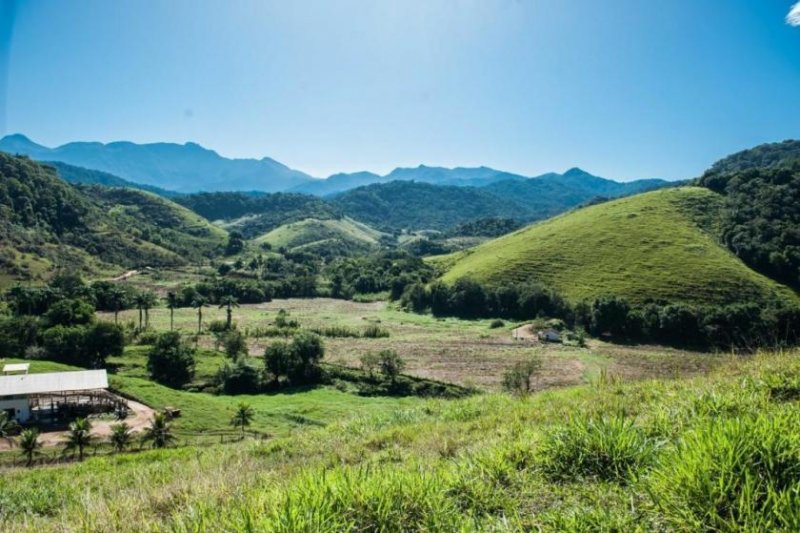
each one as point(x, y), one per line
point(21, 393)
point(549, 335)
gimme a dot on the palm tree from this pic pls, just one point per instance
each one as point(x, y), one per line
point(79, 437)
point(116, 297)
point(7, 427)
point(144, 302)
point(140, 300)
point(172, 303)
point(243, 416)
point(159, 433)
point(29, 444)
point(120, 436)
point(229, 302)
point(198, 303)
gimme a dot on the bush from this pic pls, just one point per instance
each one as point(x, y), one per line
point(606, 449)
point(239, 378)
point(234, 344)
point(171, 360)
point(517, 379)
point(737, 474)
point(496, 323)
point(69, 313)
point(298, 361)
point(217, 326)
point(391, 364)
point(374, 331)
point(369, 363)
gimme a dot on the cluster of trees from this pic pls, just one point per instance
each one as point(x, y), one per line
point(271, 210)
point(67, 332)
point(484, 227)
point(469, 299)
point(761, 223)
point(79, 436)
point(744, 326)
point(391, 271)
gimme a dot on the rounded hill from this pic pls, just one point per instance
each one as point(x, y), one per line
point(658, 246)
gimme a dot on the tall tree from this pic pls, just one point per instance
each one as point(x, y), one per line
point(198, 303)
point(79, 437)
point(229, 302)
point(120, 436)
point(117, 298)
point(159, 432)
point(172, 303)
point(7, 428)
point(243, 416)
point(29, 444)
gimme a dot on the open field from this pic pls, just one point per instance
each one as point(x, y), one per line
point(483, 463)
point(659, 245)
point(466, 352)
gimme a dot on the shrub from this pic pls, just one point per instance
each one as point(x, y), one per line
point(517, 379)
point(496, 323)
point(374, 331)
point(607, 449)
point(171, 360)
point(69, 313)
point(735, 474)
point(217, 326)
point(239, 378)
point(369, 363)
point(391, 364)
point(297, 361)
point(234, 344)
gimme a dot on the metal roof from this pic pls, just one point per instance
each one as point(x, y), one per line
point(22, 384)
point(16, 367)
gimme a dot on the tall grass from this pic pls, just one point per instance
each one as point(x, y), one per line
point(734, 474)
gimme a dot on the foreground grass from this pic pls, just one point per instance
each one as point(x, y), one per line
point(716, 453)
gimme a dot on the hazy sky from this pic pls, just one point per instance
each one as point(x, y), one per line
point(622, 88)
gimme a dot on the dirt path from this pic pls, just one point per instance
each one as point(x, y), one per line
point(126, 275)
point(525, 333)
point(139, 416)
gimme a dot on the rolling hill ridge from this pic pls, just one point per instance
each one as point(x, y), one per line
point(655, 246)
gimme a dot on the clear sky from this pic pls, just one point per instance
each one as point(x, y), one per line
point(622, 88)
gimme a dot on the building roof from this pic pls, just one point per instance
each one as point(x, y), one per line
point(22, 384)
point(16, 367)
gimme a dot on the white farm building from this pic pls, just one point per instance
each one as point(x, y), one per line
point(26, 397)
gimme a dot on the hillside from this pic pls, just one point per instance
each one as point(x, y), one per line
point(181, 167)
point(256, 214)
point(88, 176)
point(657, 245)
point(49, 224)
point(415, 206)
point(761, 219)
point(312, 233)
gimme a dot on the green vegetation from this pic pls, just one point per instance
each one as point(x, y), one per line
point(760, 220)
point(411, 205)
point(47, 224)
point(711, 453)
point(313, 234)
point(256, 214)
point(655, 246)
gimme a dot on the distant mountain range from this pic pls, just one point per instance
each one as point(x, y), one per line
point(179, 167)
point(190, 168)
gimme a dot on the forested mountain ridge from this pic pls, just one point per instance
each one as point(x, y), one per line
point(411, 205)
point(181, 167)
point(87, 176)
point(255, 214)
point(46, 223)
point(761, 220)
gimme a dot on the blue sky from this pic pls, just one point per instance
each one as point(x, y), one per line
point(623, 88)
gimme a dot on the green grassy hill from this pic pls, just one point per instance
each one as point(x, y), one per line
point(47, 224)
point(313, 231)
point(658, 245)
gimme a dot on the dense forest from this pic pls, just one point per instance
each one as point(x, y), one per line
point(260, 213)
point(761, 222)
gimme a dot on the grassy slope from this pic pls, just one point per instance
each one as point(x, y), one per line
point(312, 230)
point(655, 245)
point(475, 464)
